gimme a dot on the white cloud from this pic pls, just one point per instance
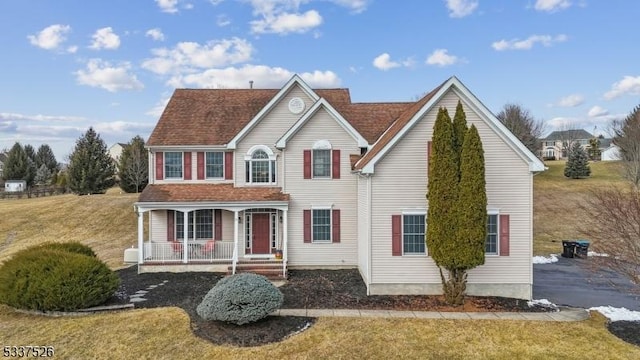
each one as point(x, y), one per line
point(223, 20)
point(597, 111)
point(285, 23)
point(158, 108)
point(105, 38)
point(168, 6)
point(552, 5)
point(517, 44)
point(51, 37)
point(189, 56)
point(215, 2)
point(461, 8)
point(261, 75)
point(357, 6)
point(102, 74)
point(72, 49)
point(120, 127)
point(572, 100)
point(629, 85)
point(383, 62)
point(156, 34)
point(440, 57)
point(38, 117)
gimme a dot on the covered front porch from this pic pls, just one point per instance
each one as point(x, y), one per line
point(208, 234)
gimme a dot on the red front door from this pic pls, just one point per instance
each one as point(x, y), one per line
point(260, 233)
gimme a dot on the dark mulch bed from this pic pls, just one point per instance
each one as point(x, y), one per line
point(628, 331)
point(311, 289)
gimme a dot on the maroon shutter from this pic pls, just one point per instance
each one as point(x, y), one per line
point(307, 164)
point(228, 166)
point(504, 235)
point(396, 235)
point(159, 165)
point(307, 226)
point(335, 224)
point(217, 221)
point(335, 174)
point(171, 235)
point(200, 165)
point(187, 165)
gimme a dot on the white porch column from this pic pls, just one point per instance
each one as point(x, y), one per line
point(140, 236)
point(236, 228)
point(185, 249)
point(285, 238)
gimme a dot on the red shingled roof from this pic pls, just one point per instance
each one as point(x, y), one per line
point(210, 192)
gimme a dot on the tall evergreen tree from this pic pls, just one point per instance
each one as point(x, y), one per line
point(459, 131)
point(45, 156)
point(43, 176)
point(91, 170)
point(133, 166)
point(18, 165)
point(577, 166)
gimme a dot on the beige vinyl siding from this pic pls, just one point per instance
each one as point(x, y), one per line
point(405, 167)
point(305, 193)
point(363, 228)
point(267, 132)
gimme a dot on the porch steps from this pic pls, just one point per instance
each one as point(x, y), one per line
point(271, 269)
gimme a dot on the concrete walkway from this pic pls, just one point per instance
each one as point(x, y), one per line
point(565, 314)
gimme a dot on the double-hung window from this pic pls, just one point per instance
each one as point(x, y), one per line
point(321, 225)
point(202, 226)
point(491, 242)
point(215, 164)
point(322, 163)
point(173, 165)
point(413, 240)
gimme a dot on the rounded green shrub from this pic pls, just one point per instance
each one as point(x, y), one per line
point(73, 247)
point(240, 299)
point(45, 279)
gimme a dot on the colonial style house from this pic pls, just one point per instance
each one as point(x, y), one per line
point(556, 145)
point(305, 178)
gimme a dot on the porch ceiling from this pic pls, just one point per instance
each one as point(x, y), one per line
point(226, 193)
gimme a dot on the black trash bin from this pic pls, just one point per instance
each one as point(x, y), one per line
point(568, 248)
point(582, 249)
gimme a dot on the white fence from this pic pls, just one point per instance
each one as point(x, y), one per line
point(196, 251)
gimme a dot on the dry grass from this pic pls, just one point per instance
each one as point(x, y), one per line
point(556, 216)
point(106, 222)
point(165, 334)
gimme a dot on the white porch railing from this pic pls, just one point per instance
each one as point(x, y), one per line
point(196, 251)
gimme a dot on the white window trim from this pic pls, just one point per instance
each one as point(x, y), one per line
point(272, 158)
point(322, 145)
point(323, 207)
point(164, 155)
point(497, 213)
point(414, 212)
point(223, 166)
point(185, 231)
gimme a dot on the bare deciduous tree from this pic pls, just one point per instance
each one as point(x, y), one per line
point(627, 136)
point(523, 125)
point(612, 223)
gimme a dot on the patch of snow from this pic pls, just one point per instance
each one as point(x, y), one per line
point(545, 260)
point(593, 253)
point(305, 327)
point(542, 302)
point(617, 314)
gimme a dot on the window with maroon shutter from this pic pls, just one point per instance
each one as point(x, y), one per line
point(504, 235)
point(217, 222)
point(396, 235)
point(200, 165)
point(335, 223)
point(171, 235)
point(187, 165)
point(159, 165)
point(335, 164)
point(307, 164)
point(228, 166)
point(307, 226)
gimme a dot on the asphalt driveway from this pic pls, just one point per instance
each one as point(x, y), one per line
point(573, 282)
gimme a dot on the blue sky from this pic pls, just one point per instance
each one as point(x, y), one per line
point(71, 64)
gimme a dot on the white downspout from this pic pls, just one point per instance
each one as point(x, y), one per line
point(234, 258)
point(185, 232)
point(140, 236)
point(285, 238)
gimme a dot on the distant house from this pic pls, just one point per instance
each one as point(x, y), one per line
point(556, 145)
point(611, 153)
point(15, 186)
point(115, 151)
